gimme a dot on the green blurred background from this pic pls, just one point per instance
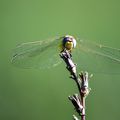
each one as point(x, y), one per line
point(29, 94)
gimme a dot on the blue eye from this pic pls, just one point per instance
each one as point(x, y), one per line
point(65, 39)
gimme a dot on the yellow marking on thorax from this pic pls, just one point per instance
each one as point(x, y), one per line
point(69, 45)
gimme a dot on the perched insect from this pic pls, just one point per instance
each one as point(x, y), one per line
point(87, 55)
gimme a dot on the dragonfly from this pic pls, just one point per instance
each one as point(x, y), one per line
point(88, 55)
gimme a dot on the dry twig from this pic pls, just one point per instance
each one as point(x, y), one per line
point(82, 83)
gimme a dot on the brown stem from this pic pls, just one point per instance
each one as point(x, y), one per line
point(83, 111)
point(82, 84)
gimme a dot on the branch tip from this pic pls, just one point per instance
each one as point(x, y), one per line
point(75, 118)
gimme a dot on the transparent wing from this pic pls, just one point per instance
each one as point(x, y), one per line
point(95, 57)
point(39, 54)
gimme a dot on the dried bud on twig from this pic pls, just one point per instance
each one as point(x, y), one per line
point(76, 102)
point(67, 57)
point(84, 83)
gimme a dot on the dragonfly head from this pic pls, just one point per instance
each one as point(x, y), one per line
point(68, 42)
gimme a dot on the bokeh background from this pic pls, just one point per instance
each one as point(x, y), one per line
point(29, 94)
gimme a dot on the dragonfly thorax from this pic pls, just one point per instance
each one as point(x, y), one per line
point(68, 43)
